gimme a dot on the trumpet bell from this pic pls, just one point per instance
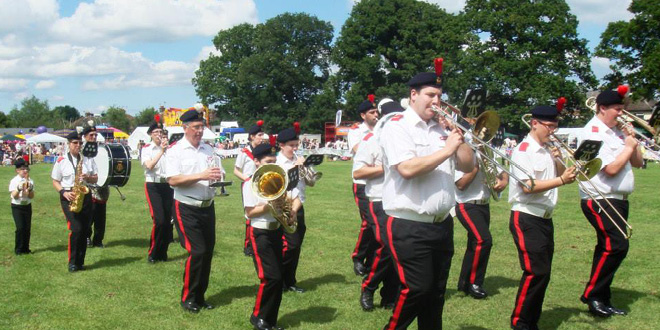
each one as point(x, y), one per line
point(486, 125)
point(590, 169)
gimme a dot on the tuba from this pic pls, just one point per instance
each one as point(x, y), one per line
point(79, 189)
point(269, 182)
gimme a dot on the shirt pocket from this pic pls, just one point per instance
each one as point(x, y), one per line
point(422, 146)
point(187, 164)
point(67, 171)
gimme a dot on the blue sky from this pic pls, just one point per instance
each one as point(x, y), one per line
point(142, 53)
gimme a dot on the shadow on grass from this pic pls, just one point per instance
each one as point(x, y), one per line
point(107, 263)
point(134, 242)
point(311, 284)
point(226, 296)
point(471, 327)
point(493, 284)
point(57, 248)
point(313, 314)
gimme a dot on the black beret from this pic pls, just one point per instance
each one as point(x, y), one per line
point(263, 150)
point(256, 128)
point(609, 97)
point(286, 135)
point(390, 107)
point(154, 126)
point(191, 115)
point(20, 163)
point(365, 106)
point(88, 129)
point(425, 79)
point(545, 112)
point(73, 136)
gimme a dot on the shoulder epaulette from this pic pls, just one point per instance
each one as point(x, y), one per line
point(60, 159)
point(355, 126)
point(594, 129)
point(146, 145)
point(523, 146)
point(366, 137)
point(396, 118)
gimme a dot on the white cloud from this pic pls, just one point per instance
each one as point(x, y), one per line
point(600, 12)
point(21, 95)
point(45, 84)
point(21, 16)
point(12, 85)
point(57, 98)
point(206, 52)
point(449, 5)
point(122, 21)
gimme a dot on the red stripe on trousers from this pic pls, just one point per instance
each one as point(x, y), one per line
point(151, 212)
point(603, 257)
point(480, 242)
point(285, 245)
point(186, 276)
point(260, 273)
point(379, 251)
point(528, 268)
point(404, 291)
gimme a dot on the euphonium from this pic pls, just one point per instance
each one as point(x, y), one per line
point(79, 189)
point(269, 182)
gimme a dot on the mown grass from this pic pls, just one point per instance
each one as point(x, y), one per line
point(120, 289)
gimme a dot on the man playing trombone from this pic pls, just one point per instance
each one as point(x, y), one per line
point(615, 181)
point(532, 204)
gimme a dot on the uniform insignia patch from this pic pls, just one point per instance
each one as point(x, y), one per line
point(146, 145)
point(366, 137)
point(523, 146)
point(355, 126)
point(594, 129)
point(396, 118)
point(60, 159)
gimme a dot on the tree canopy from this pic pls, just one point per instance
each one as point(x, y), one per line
point(117, 118)
point(32, 113)
point(145, 117)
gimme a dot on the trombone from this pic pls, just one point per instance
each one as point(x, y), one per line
point(650, 143)
point(586, 171)
point(485, 127)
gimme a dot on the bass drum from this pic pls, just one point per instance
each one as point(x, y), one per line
point(114, 164)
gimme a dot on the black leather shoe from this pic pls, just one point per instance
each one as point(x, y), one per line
point(206, 305)
point(190, 307)
point(387, 305)
point(359, 268)
point(476, 291)
point(294, 288)
point(597, 308)
point(151, 260)
point(616, 311)
point(367, 300)
point(99, 245)
point(260, 324)
point(73, 268)
point(248, 252)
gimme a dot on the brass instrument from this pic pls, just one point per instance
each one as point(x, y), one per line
point(79, 189)
point(310, 175)
point(269, 182)
point(585, 171)
point(25, 183)
point(485, 129)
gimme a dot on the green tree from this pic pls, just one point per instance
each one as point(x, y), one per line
point(4, 120)
point(634, 48)
point(32, 113)
point(383, 44)
point(525, 53)
point(272, 71)
point(117, 118)
point(63, 116)
point(145, 117)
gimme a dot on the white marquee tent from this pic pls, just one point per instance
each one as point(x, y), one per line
point(45, 138)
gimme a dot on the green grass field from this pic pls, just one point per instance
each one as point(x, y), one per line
point(120, 289)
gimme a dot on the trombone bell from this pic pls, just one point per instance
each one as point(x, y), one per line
point(486, 125)
point(589, 169)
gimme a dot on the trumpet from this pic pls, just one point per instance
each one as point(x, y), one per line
point(485, 127)
point(586, 171)
point(625, 124)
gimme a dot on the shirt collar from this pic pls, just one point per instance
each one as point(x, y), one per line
point(601, 126)
point(186, 144)
point(414, 119)
point(533, 146)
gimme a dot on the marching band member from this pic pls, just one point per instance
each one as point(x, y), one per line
point(366, 243)
point(619, 153)
point(21, 190)
point(266, 239)
point(419, 156)
point(368, 166)
point(188, 171)
point(244, 168)
point(63, 175)
point(288, 142)
point(100, 197)
point(473, 211)
point(159, 194)
point(531, 214)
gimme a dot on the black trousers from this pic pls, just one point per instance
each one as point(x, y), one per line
point(23, 220)
point(291, 250)
point(611, 249)
point(160, 198)
point(366, 242)
point(196, 227)
point(422, 253)
point(381, 269)
point(78, 224)
point(476, 220)
point(97, 222)
point(267, 245)
point(534, 238)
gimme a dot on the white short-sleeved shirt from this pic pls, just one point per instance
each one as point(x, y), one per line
point(65, 172)
point(539, 162)
point(184, 159)
point(613, 144)
point(406, 136)
point(13, 186)
point(245, 161)
point(355, 136)
point(476, 190)
point(149, 152)
point(287, 165)
point(369, 154)
point(250, 199)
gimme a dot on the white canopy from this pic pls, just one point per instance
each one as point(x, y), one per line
point(45, 138)
point(140, 133)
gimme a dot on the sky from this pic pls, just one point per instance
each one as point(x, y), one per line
point(137, 54)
